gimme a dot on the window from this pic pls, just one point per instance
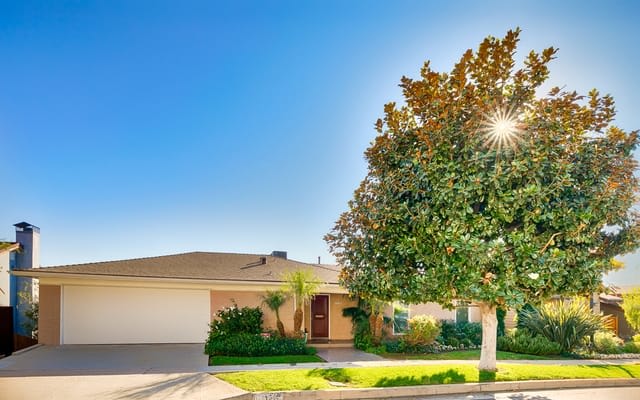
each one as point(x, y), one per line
point(400, 318)
point(462, 311)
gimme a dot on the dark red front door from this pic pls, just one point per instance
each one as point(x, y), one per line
point(320, 316)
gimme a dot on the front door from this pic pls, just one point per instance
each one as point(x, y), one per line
point(320, 316)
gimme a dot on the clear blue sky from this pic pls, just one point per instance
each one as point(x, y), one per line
point(139, 128)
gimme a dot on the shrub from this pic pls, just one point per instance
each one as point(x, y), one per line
point(606, 342)
point(521, 341)
point(565, 323)
point(233, 320)
point(452, 334)
point(631, 306)
point(423, 329)
point(251, 345)
point(631, 347)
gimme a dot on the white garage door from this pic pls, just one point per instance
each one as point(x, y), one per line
point(100, 315)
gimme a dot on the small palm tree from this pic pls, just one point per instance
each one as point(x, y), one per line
point(303, 284)
point(274, 299)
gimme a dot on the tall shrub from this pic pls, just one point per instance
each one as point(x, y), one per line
point(631, 307)
point(423, 330)
point(565, 323)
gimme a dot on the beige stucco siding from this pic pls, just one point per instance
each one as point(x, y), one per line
point(221, 299)
point(49, 315)
point(340, 327)
point(433, 309)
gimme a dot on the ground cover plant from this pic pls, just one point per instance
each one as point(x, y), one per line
point(309, 379)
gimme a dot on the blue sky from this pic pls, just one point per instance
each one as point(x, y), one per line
point(138, 128)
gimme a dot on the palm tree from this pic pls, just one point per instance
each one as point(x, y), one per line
point(303, 285)
point(274, 299)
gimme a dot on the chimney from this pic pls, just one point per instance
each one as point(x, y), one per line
point(279, 254)
point(29, 238)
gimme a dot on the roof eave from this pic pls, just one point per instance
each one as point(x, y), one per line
point(41, 273)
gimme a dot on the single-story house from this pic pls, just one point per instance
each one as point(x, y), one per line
point(173, 298)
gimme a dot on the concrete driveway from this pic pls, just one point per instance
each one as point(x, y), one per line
point(105, 359)
point(163, 371)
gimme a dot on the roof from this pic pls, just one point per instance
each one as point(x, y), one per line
point(8, 246)
point(195, 265)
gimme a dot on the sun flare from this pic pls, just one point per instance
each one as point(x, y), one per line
point(502, 129)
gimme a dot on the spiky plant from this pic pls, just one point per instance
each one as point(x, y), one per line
point(303, 284)
point(567, 323)
point(274, 299)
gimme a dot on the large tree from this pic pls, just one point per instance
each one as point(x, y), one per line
point(480, 190)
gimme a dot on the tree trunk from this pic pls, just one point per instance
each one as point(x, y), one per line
point(489, 335)
point(280, 326)
point(297, 322)
point(377, 334)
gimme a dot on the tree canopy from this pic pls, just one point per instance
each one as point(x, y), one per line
point(479, 189)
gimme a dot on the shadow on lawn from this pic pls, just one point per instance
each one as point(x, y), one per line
point(449, 376)
point(333, 374)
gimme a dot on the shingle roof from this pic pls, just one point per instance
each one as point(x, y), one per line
point(199, 265)
point(7, 245)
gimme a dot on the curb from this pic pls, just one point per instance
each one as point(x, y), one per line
point(27, 349)
point(430, 390)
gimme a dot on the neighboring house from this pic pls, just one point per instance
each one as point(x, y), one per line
point(610, 305)
point(172, 299)
point(22, 254)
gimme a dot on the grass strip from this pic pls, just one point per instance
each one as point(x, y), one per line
point(293, 359)
point(368, 377)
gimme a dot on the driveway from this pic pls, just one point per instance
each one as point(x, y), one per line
point(164, 371)
point(105, 359)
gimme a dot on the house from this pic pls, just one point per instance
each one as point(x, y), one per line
point(610, 305)
point(22, 254)
point(173, 298)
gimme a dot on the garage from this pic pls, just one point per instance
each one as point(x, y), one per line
point(111, 315)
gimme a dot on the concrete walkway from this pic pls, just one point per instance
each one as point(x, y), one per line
point(346, 354)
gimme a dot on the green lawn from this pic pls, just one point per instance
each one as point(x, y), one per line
point(466, 355)
point(227, 360)
point(309, 379)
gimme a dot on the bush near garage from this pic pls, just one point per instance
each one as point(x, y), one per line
point(234, 320)
point(251, 345)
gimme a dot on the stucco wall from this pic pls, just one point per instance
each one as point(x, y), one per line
point(433, 309)
point(49, 315)
point(339, 326)
point(4, 278)
point(221, 299)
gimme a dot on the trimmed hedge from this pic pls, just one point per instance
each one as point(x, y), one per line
point(249, 345)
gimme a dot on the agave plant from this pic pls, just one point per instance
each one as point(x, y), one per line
point(567, 323)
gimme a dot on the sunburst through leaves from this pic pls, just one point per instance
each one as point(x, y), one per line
point(502, 129)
